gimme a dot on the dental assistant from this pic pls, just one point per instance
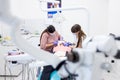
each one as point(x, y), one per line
point(49, 38)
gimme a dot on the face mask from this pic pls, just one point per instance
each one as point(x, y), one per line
point(52, 34)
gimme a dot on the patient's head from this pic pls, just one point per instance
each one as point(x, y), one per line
point(73, 56)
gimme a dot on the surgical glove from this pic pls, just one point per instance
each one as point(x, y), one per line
point(55, 43)
point(66, 44)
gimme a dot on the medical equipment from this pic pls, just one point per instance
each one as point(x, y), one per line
point(102, 43)
point(16, 57)
point(104, 48)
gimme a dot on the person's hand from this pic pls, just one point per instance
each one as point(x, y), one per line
point(55, 43)
point(66, 44)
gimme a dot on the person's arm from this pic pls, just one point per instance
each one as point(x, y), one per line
point(43, 41)
point(73, 45)
point(49, 45)
point(44, 44)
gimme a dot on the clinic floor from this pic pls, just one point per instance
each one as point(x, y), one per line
point(113, 75)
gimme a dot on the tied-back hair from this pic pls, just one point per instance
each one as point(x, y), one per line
point(81, 35)
point(49, 29)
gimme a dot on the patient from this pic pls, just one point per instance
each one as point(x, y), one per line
point(62, 49)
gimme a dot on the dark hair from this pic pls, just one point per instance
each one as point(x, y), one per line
point(49, 29)
point(75, 28)
point(81, 35)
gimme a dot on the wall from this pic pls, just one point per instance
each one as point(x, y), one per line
point(98, 16)
point(26, 9)
point(4, 7)
point(114, 17)
point(93, 20)
point(4, 29)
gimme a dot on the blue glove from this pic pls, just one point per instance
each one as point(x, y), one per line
point(55, 43)
point(66, 44)
point(70, 43)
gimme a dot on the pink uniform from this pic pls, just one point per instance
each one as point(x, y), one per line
point(47, 39)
